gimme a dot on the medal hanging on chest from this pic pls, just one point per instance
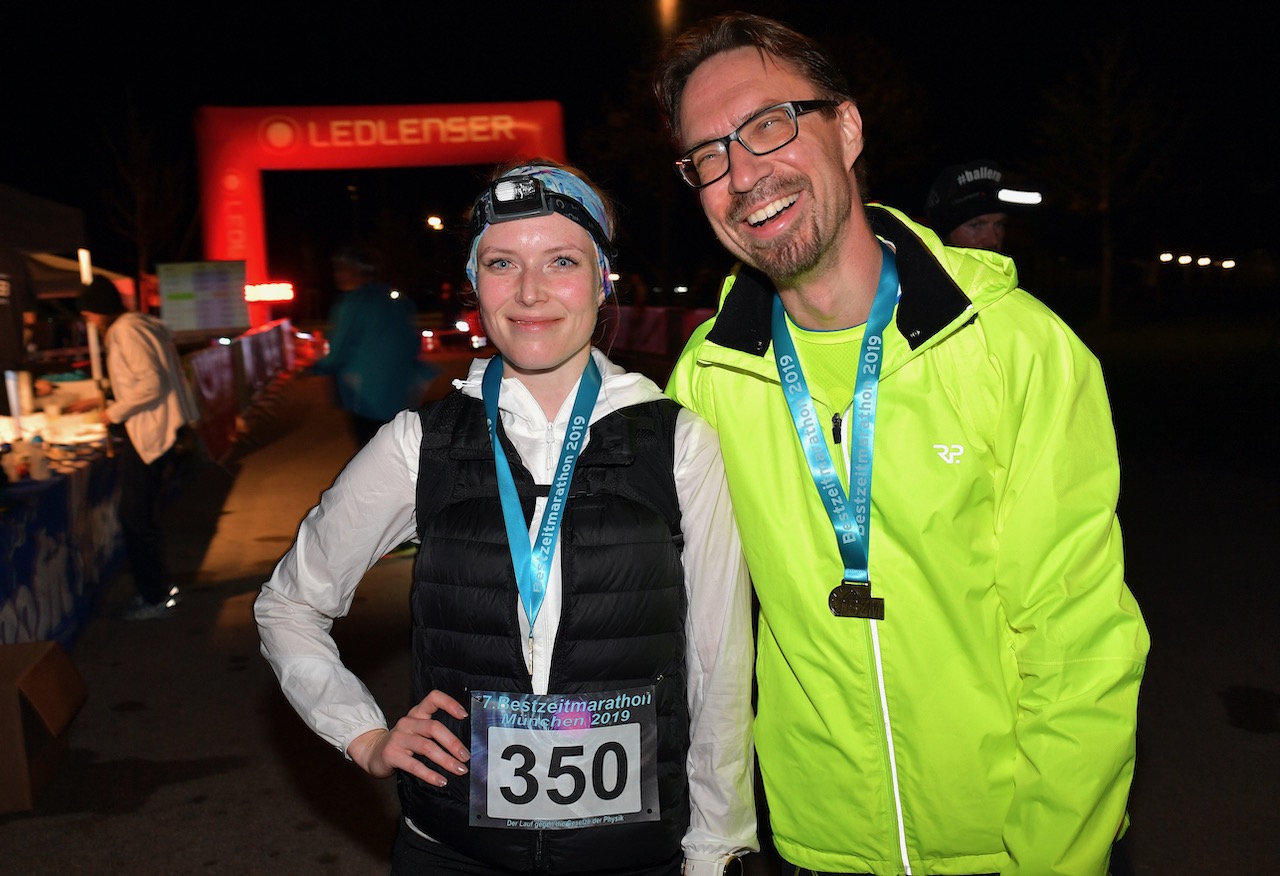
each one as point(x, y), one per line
point(851, 522)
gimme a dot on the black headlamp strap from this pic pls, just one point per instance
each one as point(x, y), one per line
point(542, 202)
point(568, 207)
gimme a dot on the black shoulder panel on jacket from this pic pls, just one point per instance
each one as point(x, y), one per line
point(743, 322)
point(934, 299)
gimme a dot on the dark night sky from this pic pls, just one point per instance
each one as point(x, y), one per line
point(974, 82)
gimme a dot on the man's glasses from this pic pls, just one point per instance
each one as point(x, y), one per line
point(766, 131)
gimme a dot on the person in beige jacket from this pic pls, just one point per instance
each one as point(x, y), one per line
point(150, 397)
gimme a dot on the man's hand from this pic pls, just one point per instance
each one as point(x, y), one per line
point(381, 752)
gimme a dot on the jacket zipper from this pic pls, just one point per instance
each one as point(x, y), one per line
point(886, 721)
point(890, 753)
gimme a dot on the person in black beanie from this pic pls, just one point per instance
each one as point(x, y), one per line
point(149, 396)
point(965, 206)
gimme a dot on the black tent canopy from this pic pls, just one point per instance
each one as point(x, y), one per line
point(32, 224)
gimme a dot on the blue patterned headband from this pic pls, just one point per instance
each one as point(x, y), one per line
point(532, 190)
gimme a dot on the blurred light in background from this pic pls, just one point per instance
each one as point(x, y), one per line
point(1201, 261)
point(668, 11)
point(268, 292)
point(86, 267)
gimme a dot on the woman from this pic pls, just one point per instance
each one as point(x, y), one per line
point(581, 642)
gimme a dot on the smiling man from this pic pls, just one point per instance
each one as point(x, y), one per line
point(948, 655)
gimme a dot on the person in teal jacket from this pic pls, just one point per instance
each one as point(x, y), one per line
point(923, 468)
point(374, 345)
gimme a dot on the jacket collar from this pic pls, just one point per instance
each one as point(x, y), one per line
point(930, 301)
point(620, 388)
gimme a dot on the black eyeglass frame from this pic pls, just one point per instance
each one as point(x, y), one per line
point(796, 108)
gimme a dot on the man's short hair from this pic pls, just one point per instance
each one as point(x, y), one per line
point(735, 30)
point(100, 296)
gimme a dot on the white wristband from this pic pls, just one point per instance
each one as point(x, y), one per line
point(729, 864)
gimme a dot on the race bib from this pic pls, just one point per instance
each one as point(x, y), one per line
point(563, 761)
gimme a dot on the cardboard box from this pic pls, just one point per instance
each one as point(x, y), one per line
point(40, 694)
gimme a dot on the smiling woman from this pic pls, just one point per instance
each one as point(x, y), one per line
point(583, 703)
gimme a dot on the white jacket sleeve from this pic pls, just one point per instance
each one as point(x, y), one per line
point(721, 761)
point(367, 512)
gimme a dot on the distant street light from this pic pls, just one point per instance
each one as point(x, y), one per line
point(1202, 261)
point(435, 223)
point(668, 16)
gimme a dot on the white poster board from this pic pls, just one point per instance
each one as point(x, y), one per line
point(203, 296)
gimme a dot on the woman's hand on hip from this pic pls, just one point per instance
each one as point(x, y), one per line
point(381, 752)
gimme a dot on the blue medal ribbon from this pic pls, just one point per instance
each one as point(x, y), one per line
point(532, 562)
point(850, 520)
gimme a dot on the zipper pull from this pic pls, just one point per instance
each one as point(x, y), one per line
point(835, 427)
point(548, 460)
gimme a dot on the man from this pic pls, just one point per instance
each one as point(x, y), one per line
point(967, 206)
point(373, 345)
point(948, 657)
point(151, 398)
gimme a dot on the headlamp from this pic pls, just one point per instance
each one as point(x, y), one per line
point(522, 197)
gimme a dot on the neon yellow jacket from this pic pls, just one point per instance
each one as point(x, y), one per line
point(1005, 673)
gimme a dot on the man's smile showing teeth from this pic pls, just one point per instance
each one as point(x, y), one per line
point(768, 211)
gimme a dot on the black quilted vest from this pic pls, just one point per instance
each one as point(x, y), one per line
point(622, 623)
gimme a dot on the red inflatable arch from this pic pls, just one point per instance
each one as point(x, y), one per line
point(236, 144)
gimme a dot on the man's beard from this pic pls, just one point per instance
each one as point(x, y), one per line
point(788, 258)
point(791, 256)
